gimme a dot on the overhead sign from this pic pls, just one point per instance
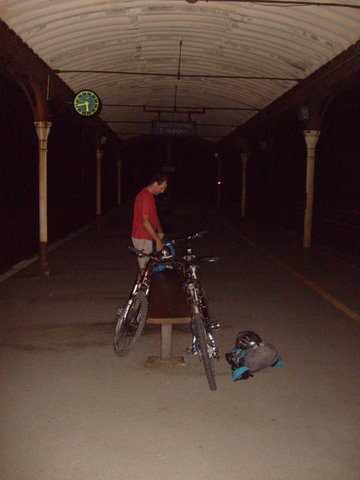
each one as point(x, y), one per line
point(162, 127)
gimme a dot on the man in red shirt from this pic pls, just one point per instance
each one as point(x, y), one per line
point(146, 227)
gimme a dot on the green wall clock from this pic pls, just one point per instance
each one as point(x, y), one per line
point(86, 103)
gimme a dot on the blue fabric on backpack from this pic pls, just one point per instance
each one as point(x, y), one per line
point(278, 363)
point(160, 267)
point(246, 362)
point(239, 372)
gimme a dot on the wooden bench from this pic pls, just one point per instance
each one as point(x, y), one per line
point(167, 307)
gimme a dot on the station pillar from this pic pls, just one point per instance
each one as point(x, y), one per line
point(244, 159)
point(118, 176)
point(43, 130)
point(311, 139)
point(218, 179)
point(99, 155)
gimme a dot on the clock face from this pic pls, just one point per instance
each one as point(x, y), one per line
point(86, 103)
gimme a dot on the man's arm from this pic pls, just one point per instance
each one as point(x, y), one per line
point(160, 231)
point(151, 231)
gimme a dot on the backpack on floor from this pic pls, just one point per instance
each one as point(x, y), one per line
point(250, 355)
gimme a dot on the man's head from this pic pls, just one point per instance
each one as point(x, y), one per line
point(158, 184)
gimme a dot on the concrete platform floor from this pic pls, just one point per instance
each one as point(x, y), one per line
point(72, 410)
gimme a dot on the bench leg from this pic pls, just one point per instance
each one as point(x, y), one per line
point(166, 337)
point(165, 359)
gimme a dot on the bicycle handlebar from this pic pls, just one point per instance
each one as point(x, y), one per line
point(168, 242)
point(185, 239)
point(173, 260)
point(141, 253)
point(208, 259)
point(196, 235)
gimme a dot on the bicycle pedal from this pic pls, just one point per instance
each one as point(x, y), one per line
point(215, 325)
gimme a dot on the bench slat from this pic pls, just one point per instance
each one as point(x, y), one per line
point(168, 321)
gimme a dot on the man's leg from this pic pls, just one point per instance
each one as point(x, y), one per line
point(146, 246)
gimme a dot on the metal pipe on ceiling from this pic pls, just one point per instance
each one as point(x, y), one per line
point(197, 110)
point(138, 122)
point(175, 75)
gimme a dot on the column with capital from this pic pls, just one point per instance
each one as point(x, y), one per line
point(311, 139)
point(118, 190)
point(43, 130)
point(244, 158)
point(99, 155)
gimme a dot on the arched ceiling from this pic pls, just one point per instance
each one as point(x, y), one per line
point(214, 62)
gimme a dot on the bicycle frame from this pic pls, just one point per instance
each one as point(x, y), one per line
point(198, 303)
point(142, 283)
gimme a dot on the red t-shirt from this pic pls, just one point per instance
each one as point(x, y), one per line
point(144, 204)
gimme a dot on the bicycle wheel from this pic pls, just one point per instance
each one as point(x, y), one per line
point(130, 323)
point(204, 352)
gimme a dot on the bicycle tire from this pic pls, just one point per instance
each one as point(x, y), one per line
point(130, 326)
point(207, 361)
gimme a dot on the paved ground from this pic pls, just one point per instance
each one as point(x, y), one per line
point(72, 410)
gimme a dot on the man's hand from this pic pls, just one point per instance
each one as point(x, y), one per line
point(159, 244)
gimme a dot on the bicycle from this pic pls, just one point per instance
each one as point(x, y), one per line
point(131, 318)
point(203, 342)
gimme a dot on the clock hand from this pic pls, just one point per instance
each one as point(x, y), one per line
point(84, 104)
